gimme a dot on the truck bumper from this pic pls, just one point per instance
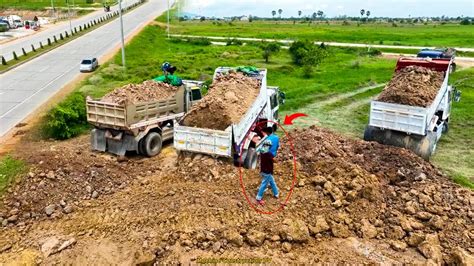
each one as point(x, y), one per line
point(101, 142)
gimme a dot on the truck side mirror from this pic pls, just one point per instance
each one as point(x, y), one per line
point(281, 97)
point(457, 95)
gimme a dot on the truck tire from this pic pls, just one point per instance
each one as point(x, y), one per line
point(250, 161)
point(369, 133)
point(445, 127)
point(152, 144)
point(141, 147)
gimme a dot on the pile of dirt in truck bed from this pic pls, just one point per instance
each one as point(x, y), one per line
point(413, 85)
point(354, 202)
point(229, 98)
point(147, 91)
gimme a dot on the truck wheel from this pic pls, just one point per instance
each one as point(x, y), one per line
point(251, 159)
point(152, 144)
point(141, 147)
point(445, 127)
point(368, 133)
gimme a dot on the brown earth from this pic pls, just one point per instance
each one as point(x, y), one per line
point(229, 97)
point(147, 91)
point(354, 202)
point(413, 85)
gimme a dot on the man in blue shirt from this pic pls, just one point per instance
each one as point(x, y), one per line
point(267, 151)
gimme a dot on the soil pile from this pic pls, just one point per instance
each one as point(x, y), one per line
point(147, 91)
point(228, 99)
point(351, 197)
point(413, 85)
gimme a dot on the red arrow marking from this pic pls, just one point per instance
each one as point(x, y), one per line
point(289, 119)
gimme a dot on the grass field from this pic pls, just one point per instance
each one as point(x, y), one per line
point(447, 35)
point(9, 169)
point(42, 4)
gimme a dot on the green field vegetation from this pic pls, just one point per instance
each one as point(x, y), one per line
point(44, 4)
point(455, 150)
point(10, 168)
point(448, 35)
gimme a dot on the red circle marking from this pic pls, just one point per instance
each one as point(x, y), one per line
point(294, 174)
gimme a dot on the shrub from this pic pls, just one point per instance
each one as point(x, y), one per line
point(234, 41)
point(308, 71)
point(67, 119)
point(270, 49)
point(345, 23)
point(380, 42)
point(199, 41)
point(394, 24)
point(465, 22)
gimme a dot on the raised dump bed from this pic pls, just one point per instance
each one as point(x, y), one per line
point(232, 141)
point(406, 125)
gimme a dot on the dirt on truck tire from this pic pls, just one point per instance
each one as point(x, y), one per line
point(414, 86)
point(353, 202)
point(229, 98)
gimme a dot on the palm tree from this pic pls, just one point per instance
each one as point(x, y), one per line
point(367, 13)
point(362, 12)
point(274, 13)
point(280, 11)
point(299, 13)
point(314, 16)
point(320, 14)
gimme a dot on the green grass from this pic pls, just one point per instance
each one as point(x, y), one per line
point(10, 168)
point(42, 4)
point(371, 33)
point(455, 150)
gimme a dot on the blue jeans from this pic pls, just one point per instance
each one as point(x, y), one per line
point(267, 179)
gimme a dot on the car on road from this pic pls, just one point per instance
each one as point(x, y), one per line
point(89, 65)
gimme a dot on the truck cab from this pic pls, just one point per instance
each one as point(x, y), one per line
point(439, 53)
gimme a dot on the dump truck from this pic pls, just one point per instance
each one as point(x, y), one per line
point(237, 140)
point(416, 128)
point(439, 53)
point(140, 127)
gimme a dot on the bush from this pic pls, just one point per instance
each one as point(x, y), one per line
point(199, 41)
point(394, 24)
point(67, 119)
point(270, 49)
point(306, 53)
point(308, 71)
point(355, 64)
point(465, 22)
point(234, 42)
point(346, 23)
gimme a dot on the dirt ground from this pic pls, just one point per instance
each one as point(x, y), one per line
point(229, 97)
point(147, 91)
point(353, 202)
point(413, 85)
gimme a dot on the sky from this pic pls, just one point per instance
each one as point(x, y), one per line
point(332, 8)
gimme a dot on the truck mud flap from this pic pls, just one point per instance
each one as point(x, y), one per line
point(120, 147)
point(98, 140)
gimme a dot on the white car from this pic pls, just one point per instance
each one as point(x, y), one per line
point(89, 65)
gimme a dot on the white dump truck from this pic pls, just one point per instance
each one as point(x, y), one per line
point(141, 127)
point(412, 127)
point(236, 140)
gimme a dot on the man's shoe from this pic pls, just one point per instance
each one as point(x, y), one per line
point(261, 202)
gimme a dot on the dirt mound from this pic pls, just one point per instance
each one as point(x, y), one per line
point(228, 99)
point(413, 85)
point(147, 91)
point(351, 197)
point(65, 174)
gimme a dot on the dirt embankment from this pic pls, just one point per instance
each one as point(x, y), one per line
point(413, 85)
point(354, 202)
point(147, 91)
point(229, 98)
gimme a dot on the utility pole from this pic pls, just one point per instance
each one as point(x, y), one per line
point(168, 30)
point(52, 7)
point(69, 15)
point(121, 32)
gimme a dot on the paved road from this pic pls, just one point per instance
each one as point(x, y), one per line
point(25, 88)
point(342, 44)
point(7, 49)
